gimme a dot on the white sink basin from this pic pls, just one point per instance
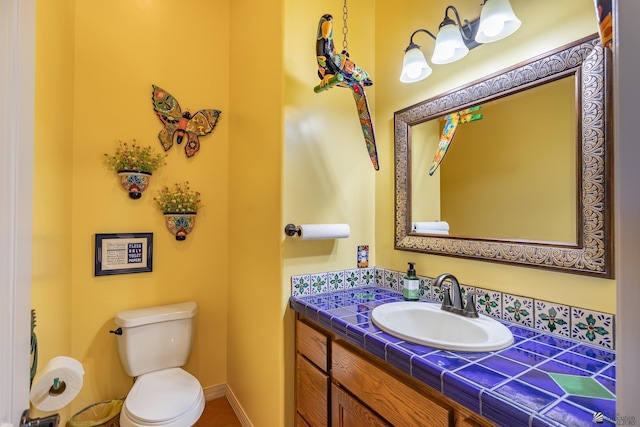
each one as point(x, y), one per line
point(425, 323)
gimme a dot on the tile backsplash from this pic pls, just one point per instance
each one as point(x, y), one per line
point(592, 327)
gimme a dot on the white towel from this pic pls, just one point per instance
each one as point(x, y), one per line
point(431, 227)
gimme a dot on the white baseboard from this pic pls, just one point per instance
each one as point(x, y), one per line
point(215, 392)
point(223, 390)
point(237, 408)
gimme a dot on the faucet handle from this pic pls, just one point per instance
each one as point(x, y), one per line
point(446, 296)
point(470, 304)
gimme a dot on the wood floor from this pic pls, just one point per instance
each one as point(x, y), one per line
point(218, 413)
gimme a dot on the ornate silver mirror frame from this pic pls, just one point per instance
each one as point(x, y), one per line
point(592, 254)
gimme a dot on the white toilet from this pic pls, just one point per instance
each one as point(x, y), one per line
point(153, 343)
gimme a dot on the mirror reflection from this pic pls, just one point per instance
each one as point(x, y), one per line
point(514, 171)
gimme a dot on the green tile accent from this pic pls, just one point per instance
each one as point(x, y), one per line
point(581, 386)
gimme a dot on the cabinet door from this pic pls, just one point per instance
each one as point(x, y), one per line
point(312, 390)
point(386, 394)
point(348, 412)
point(300, 422)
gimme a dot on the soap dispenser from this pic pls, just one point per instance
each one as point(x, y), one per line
point(411, 284)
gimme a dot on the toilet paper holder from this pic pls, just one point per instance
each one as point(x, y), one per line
point(50, 421)
point(292, 230)
point(317, 231)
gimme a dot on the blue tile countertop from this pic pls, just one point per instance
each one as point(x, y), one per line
point(541, 380)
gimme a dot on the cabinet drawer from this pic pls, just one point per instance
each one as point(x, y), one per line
point(312, 344)
point(397, 402)
point(468, 422)
point(312, 391)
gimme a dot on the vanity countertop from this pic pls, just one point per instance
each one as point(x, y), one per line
point(541, 380)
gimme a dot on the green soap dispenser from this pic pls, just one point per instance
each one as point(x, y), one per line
point(411, 284)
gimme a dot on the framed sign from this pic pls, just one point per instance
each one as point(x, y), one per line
point(123, 253)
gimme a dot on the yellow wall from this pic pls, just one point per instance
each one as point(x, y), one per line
point(545, 25)
point(424, 143)
point(256, 298)
point(53, 185)
point(328, 176)
point(96, 92)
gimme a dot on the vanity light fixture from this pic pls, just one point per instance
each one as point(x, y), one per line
point(455, 39)
point(497, 21)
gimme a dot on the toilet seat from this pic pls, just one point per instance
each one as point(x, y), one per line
point(168, 397)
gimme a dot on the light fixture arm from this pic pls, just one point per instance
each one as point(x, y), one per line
point(413, 45)
point(463, 28)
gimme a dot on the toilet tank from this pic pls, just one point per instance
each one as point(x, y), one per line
point(155, 338)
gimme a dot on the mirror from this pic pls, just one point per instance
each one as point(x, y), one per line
point(493, 158)
point(527, 184)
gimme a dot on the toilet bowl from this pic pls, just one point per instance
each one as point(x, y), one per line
point(153, 344)
point(169, 398)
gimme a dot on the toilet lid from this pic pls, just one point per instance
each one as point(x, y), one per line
point(162, 395)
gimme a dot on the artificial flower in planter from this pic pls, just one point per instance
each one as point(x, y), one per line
point(134, 165)
point(180, 205)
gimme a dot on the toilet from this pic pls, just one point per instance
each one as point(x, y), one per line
point(153, 344)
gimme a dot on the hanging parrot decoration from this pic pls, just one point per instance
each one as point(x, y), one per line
point(336, 69)
point(451, 122)
point(177, 124)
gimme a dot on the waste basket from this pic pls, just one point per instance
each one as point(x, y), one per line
point(103, 414)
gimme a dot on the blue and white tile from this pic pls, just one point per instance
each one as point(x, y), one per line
point(551, 317)
point(437, 292)
point(352, 278)
point(318, 283)
point(392, 280)
point(425, 287)
point(379, 277)
point(335, 280)
point(464, 290)
point(592, 327)
point(517, 309)
point(367, 276)
point(489, 302)
point(301, 285)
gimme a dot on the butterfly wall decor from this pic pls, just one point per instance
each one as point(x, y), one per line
point(178, 123)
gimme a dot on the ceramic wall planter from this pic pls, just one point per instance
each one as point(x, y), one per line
point(135, 182)
point(180, 224)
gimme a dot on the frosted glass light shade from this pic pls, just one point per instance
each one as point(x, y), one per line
point(449, 45)
point(414, 66)
point(497, 21)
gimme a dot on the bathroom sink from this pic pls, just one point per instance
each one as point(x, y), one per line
point(425, 323)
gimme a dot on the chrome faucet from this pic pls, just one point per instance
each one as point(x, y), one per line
point(469, 309)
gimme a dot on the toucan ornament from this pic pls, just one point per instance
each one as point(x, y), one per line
point(337, 69)
point(178, 123)
point(451, 122)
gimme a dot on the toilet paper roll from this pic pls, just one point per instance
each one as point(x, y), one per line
point(323, 231)
point(64, 371)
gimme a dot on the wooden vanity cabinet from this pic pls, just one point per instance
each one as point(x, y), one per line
point(311, 377)
point(340, 385)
